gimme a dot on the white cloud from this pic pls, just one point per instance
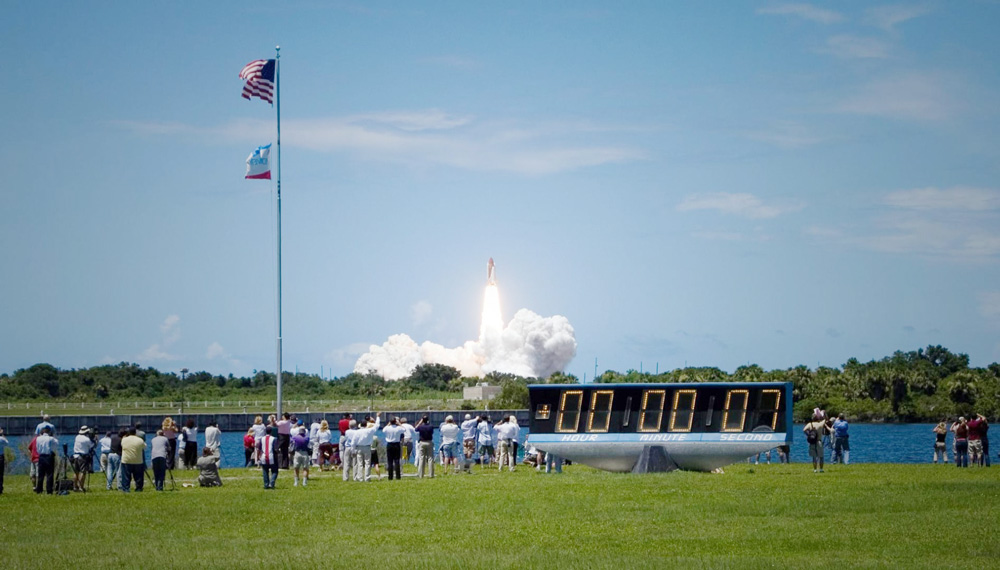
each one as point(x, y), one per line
point(429, 137)
point(154, 352)
point(955, 198)
point(804, 11)
point(420, 312)
point(743, 205)
point(215, 350)
point(887, 17)
point(856, 47)
point(170, 333)
point(914, 96)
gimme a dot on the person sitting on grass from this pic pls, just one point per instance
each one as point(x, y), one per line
point(208, 469)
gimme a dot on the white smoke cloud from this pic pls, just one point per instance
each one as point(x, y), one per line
point(530, 345)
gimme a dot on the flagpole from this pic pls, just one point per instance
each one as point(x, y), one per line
point(277, 100)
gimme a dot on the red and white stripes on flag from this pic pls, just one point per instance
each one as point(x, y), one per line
point(259, 75)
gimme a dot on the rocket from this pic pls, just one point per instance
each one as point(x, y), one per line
point(491, 273)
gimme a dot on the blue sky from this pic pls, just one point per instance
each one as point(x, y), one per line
point(688, 183)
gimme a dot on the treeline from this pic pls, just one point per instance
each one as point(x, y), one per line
point(921, 385)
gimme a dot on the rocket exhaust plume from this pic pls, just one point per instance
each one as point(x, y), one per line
point(530, 345)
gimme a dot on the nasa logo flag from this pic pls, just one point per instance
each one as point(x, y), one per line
point(259, 164)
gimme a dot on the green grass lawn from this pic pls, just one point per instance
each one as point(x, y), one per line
point(913, 516)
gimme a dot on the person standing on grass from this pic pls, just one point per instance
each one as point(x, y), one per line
point(347, 456)
point(515, 439)
point(450, 432)
point(301, 457)
point(104, 448)
point(213, 440)
point(169, 429)
point(841, 440)
point(3, 457)
point(115, 460)
point(190, 431)
point(83, 458)
point(485, 440)
point(324, 445)
point(342, 426)
point(159, 456)
point(814, 438)
point(409, 441)
point(393, 448)
point(249, 443)
point(258, 428)
point(940, 446)
point(975, 439)
point(503, 443)
point(469, 437)
point(425, 452)
point(961, 430)
point(362, 446)
point(208, 469)
point(45, 423)
point(47, 447)
point(984, 427)
point(133, 461)
point(284, 439)
point(313, 443)
point(33, 468)
point(267, 456)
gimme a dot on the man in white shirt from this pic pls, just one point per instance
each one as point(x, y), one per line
point(362, 446)
point(347, 456)
point(469, 436)
point(213, 439)
point(485, 439)
point(503, 443)
point(393, 447)
point(47, 448)
point(449, 442)
point(83, 459)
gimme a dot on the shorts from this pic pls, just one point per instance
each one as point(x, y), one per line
point(470, 446)
point(976, 446)
point(816, 450)
point(81, 463)
point(300, 460)
point(33, 470)
point(374, 457)
point(449, 450)
point(939, 446)
point(486, 450)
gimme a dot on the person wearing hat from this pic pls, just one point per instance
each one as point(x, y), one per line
point(83, 460)
point(449, 442)
point(46, 446)
point(3, 459)
point(469, 436)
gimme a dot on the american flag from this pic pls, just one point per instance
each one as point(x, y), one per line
point(260, 80)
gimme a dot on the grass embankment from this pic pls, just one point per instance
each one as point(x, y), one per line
point(768, 516)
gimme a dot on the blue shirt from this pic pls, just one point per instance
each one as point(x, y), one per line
point(840, 428)
point(46, 445)
point(43, 425)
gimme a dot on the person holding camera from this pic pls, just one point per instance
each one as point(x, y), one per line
point(425, 451)
point(208, 469)
point(159, 455)
point(133, 466)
